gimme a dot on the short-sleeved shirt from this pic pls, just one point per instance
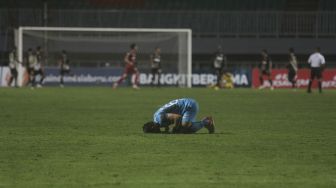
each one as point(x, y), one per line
point(156, 61)
point(185, 107)
point(219, 59)
point(265, 63)
point(316, 60)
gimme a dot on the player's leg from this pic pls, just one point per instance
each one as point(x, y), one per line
point(261, 79)
point(319, 79)
point(42, 76)
point(120, 80)
point(28, 72)
point(191, 126)
point(33, 78)
point(219, 77)
point(292, 78)
point(39, 72)
point(11, 77)
point(312, 76)
point(61, 78)
point(15, 77)
point(136, 79)
point(153, 76)
point(159, 77)
point(269, 75)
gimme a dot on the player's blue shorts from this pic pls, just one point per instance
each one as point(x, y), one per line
point(190, 114)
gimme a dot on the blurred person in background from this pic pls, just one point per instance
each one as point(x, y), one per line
point(265, 69)
point(30, 62)
point(155, 60)
point(38, 69)
point(218, 65)
point(292, 67)
point(130, 67)
point(317, 64)
point(64, 66)
point(13, 66)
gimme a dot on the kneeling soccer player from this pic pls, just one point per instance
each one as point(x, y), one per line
point(181, 114)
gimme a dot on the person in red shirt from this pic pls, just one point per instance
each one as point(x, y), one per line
point(130, 67)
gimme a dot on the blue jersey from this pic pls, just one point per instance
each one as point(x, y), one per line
point(185, 107)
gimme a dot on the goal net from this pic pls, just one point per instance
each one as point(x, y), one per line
point(93, 48)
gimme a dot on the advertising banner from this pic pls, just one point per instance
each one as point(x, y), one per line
point(106, 76)
point(280, 78)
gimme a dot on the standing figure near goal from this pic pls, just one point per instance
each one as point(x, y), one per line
point(265, 69)
point(64, 65)
point(130, 68)
point(38, 68)
point(30, 63)
point(218, 65)
point(13, 65)
point(155, 60)
point(317, 63)
point(292, 68)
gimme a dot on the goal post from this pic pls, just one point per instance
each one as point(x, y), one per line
point(94, 45)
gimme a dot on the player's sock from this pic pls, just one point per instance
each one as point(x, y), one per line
point(122, 78)
point(320, 86)
point(271, 82)
point(196, 126)
point(61, 82)
point(136, 81)
point(309, 86)
point(261, 81)
point(41, 80)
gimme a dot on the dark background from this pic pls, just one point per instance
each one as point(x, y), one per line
point(241, 27)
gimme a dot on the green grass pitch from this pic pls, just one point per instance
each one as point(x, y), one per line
point(92, 137)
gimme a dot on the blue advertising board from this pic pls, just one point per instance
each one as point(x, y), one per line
point(107, 75)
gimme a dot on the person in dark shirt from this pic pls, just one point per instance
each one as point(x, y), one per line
point(155, 61)
point(265, 69)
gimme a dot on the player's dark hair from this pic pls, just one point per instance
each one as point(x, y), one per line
point(133, 45)
point(291, 50)
point(151, 127)
point(38, 48)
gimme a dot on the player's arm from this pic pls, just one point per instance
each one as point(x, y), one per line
point(175, 118)
point(309, 60)
point(126, 59)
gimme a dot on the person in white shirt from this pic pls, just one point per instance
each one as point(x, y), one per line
point(317, 63)
point(13, 65)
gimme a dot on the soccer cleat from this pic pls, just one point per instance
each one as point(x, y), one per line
point(271, 88)
point(210, 124)
point(261, 87)
point(135, 86)
point(39, 86)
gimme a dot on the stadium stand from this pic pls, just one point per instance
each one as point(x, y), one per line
point(273, 24)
